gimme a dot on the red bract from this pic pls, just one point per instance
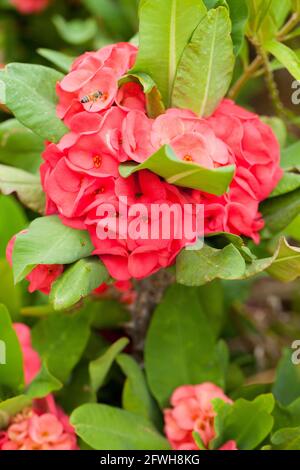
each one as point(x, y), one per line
point(30, 6)
point(109, 125)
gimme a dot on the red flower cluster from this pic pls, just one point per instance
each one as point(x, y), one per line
point(109, 125)
point(30, 6)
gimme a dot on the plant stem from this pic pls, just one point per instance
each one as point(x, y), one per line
point(289, 26)
point(258, 61)
point(248, 73)
point(271, 84)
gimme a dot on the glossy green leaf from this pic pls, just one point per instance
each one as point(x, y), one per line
point(180, 345)
point(11, 358)
point(101, 366)
point(104, 427)
point(43, 384)
point(19, 146)
point(286, 56)
point(26, 185)
point(62, 61)
point(175, 171)
point(136, 396)
point(247, 423)
point(205, 69)
point(30, 94)
point(165, 30)
point(196, 268)
point(48, 241)
point(60, 340)
point(77, 282)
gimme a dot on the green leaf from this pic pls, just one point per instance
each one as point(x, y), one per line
point(286, 387)
point(76, 31)
point(60, 340)
point(196, 268)
point(43, 384)
point(289, 182)
point(287, 439)
point(12, 220)
point(290, 157)
point(78, 282)
point(279, 212)
point(205, 69)
point(286, 56)
point(239, 16)
point(26, 185)
point(247, 423)
point(30, 95)
point(165, 30)
point(136, 396)
point(15, 405)
point(19, 146)
point(48, 241)
point(211, 297)
point(101, 366)
point(189, 175)
point(180, 345)
point(11, 371)
point(62, 61)
point(284, 265)
point(106, 428)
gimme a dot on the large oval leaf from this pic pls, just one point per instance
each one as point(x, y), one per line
point(48, 241)
point(180, 347)
point(29, 92)
point(106, 428)
point(165, 29)
point(205, 69)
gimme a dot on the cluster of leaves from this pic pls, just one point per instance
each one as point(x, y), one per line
point(115, 403)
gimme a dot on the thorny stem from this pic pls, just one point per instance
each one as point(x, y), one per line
point(289, 26)
point(248, 73)
point(258, 61)
point(271, 84)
